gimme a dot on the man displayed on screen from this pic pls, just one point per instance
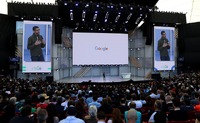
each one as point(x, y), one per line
point(35, 45)
point(163, 46)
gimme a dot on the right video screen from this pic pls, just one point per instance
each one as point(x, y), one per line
point(164, 48)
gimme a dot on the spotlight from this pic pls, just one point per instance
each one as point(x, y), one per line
point(76, 4)
point(97, 5)
point(131, 8)
point(87, 5)
point(51, 19)
point(122, 7)
point(111, 7)
point(22, 18)
point(95, 16)
point(117, 18)
point(83, 16)
point(71, 15)
point(65, 4)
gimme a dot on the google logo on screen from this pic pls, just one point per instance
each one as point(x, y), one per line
point(101, 48)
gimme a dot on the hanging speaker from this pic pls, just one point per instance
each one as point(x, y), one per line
point(58, 31)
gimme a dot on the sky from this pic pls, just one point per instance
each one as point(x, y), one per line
point(189, 7)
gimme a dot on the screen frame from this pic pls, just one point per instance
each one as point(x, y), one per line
point(167, 65)
point(43, 63)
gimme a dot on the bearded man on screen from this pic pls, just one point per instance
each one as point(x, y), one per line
point(35, 45)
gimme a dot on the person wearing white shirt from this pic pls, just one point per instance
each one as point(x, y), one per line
point(65, 104)
point(71, 112)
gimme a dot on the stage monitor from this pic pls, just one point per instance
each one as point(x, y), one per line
point(164, 48)
point(100, 48)
point(36, 46)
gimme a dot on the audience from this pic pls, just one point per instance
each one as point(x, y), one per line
point(17, 93)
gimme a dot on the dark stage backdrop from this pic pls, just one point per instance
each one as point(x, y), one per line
point(7, 42)
point(189, 45)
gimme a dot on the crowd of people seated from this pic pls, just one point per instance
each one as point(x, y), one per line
point(166, 100)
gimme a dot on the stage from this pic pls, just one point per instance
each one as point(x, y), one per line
point(108, 79)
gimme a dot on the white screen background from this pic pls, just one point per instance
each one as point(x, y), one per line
point(100, 49)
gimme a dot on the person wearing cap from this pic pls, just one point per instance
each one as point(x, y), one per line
point(71, 112)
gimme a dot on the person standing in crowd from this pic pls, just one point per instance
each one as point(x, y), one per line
point(71, 112)
point(132, 106)
point(24, 117)
point(42, 116)
point(101, 116)
point(132, 116)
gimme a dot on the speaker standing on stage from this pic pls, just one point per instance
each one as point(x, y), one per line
point(163, 46)
point(35, 45)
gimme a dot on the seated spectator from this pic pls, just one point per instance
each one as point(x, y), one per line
point(90, 98)
point(101, 116)
point(153, 94)
point(169, 103)
point(94, 102)
point(158, 116)
point(52, 114)
point(42, 116)
point(1, 103)
point(195, 101)
point(24, 117)
point(64, 104)
point(197, 120)
point(42, 104)
point(80, 104)
point(92, 115)
point(58, 106)
point(177, 114)
point(186, 106)
point(132, 106)
point(105, 107)
point(9, 110)
point(123, 107)
point(132, 116)
point(134, 99)
point(116, 117)
point(71, 112)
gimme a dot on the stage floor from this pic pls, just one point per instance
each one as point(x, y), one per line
point(108, 79)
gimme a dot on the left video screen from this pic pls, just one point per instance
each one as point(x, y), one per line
point(36, 46)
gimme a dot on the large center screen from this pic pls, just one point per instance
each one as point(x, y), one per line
point(164, 48)
point(100, 49)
